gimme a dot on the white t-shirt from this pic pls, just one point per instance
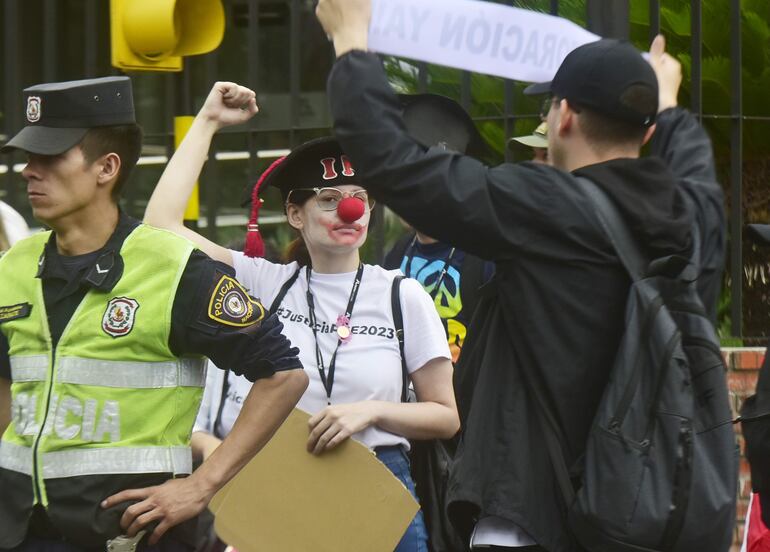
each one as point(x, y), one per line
point(15, 226)
point(368, 366)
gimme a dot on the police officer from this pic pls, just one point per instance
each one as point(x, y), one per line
point(103, 326)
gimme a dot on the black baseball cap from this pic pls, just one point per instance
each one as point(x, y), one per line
point(59, 114)
point(598, 75)
point(433, 119)
point(761, 232)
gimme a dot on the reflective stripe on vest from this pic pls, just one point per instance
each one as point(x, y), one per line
point(29, 368)
point(98, 461)
point(186, 372)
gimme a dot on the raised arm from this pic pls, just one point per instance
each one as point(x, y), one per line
point(679, 138)
point(451, 197)
point(227, 104)
point(683, 143)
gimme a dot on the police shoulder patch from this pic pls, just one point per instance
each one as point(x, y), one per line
point(13, 312)
point(231, 305)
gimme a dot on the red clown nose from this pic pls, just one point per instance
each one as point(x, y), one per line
point(350, 209)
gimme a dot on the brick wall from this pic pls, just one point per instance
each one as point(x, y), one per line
point(742, 370)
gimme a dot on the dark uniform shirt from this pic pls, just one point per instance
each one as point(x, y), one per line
point(256, 351)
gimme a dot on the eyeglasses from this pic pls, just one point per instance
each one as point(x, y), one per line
point(329, 198)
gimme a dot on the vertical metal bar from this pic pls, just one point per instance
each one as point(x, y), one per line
point(252, 61)
point(654, 19)
point(696, 50)
point(508, 99)
point(509, 120)
point(13, 103)
point(554, 9)
point(609, 18)
point(736, 170)
point(294, 67)
point(422, 77)
point(91, 37)
point(170, 86)
point(50, 34)
point(209, 179)
point(465, 91)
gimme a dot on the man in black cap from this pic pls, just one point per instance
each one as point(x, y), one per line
point(450, 276)
point(559, 282)
point(104, 323)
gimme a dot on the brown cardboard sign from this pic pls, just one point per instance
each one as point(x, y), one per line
point(288, 499)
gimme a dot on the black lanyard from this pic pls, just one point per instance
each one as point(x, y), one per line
point(408, 268)
point(329, 381)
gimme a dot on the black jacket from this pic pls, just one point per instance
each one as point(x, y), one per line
point(556, 273)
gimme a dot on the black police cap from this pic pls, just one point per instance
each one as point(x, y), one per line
point(435, 120)
point(598, 75)
point(59, 114)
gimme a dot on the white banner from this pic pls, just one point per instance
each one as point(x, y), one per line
point(477, 36)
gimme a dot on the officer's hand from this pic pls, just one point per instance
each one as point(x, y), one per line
point(168, 504)
point(229, 104)
point(335, 423)
point(669, 72)
point(346, 23)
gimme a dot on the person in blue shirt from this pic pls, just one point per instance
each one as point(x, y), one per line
point(451, 276)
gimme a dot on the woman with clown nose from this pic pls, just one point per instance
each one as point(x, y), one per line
point(336, 309)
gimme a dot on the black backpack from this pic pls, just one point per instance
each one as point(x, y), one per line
point(660, 469)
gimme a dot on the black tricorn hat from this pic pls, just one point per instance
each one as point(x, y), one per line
point(59, 114)
point(435, 120)
point(318, 163)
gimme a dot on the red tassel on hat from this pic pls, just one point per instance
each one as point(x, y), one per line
point(255, 246)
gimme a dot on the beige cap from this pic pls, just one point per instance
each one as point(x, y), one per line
point(538, 138)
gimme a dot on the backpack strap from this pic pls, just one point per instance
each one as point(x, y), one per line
point(282, 292)
point(398, 322)
point(616, 229)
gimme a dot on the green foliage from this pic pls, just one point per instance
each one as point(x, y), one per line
point(675, 17)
